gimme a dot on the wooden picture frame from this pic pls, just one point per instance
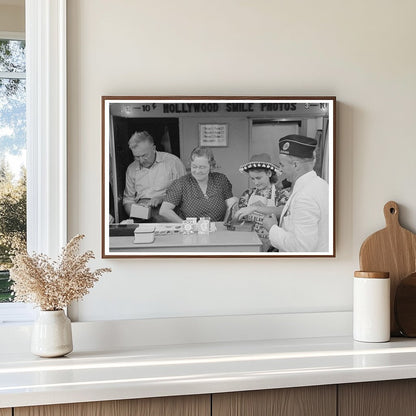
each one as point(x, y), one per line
point(249, 126)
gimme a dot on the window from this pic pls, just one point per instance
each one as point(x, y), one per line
point(12, 155)
point(46, 135)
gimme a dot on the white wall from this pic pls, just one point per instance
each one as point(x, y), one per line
point(360, 51)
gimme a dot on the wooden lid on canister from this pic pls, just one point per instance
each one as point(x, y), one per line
point(372, 275)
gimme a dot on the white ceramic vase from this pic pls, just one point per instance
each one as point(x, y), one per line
point(52, 334)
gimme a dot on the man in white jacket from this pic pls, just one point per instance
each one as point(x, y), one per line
point(303, 224)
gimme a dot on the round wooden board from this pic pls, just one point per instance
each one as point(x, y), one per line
point(393, 250)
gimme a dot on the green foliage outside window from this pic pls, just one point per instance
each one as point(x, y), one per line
point(12, 224)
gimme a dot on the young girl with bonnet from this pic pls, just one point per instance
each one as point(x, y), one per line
point(267, 197)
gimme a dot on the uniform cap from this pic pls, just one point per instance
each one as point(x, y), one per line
point(297, 145)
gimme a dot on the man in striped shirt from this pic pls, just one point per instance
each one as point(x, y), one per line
point(150, 174)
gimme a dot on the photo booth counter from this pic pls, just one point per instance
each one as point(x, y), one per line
point(122, 239)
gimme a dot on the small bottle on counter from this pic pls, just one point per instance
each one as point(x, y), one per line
point(371, 306)
point(204, 225)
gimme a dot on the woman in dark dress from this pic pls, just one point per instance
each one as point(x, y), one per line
point(201, 193)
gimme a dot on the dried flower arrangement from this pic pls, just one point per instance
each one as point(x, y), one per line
point(52, 285)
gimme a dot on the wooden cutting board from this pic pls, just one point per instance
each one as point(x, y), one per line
point(393, 250)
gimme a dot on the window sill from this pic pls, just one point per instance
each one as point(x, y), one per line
point(16, 313)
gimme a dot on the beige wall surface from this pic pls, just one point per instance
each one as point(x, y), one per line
point(12, 18)
point(360, 51)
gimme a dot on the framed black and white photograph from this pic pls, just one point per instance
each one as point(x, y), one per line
point(218, 176)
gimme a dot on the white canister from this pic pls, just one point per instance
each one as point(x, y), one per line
point(371, 309)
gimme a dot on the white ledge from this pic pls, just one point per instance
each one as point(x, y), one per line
point(154, 371)
point(188, 330)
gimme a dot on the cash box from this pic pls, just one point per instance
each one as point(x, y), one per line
point(144, 233)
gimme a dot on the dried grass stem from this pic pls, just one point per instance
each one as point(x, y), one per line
point(53, 285)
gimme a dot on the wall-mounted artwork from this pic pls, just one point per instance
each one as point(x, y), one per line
point(218, 176)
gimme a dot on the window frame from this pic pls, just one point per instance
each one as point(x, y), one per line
point(46, 121)
point(12, 36)
point(46, 125)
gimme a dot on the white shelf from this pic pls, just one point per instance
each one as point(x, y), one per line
point(150, 371)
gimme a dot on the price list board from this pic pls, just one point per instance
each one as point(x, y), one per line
point(213, 135)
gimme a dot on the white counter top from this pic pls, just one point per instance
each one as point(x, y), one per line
point(148, 371)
